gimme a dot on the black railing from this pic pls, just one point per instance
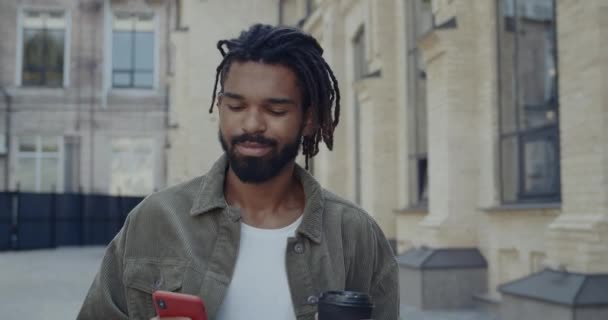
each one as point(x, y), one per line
point(48, 220)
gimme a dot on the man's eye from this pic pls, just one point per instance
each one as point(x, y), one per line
point(234, 108)
point(277, 112)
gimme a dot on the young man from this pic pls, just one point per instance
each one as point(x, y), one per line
point(256, 237)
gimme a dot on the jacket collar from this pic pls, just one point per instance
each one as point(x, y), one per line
point(211, 196)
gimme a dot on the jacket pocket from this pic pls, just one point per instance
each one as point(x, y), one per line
point(144, 276)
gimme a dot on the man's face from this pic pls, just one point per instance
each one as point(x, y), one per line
point(261, 119)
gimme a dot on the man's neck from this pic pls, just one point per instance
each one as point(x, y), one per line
point(271, 204)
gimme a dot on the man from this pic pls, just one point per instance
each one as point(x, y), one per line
point(256, 237)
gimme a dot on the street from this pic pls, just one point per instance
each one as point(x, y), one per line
point(46, 284)
point(51, 285)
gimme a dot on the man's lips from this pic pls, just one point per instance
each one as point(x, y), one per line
point(253, 149)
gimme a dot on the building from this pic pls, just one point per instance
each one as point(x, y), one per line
point(193, 134)
point(474, 132)
point(85, 95)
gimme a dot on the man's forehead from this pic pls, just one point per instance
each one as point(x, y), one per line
point(245, 79)
point(258, 69)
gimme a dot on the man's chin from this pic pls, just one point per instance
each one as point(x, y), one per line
point(252, 175)
point(255, 170)
point(250, 161)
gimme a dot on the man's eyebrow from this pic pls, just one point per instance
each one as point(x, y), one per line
point(280, 101)
point(274, 100)
point(232, 95)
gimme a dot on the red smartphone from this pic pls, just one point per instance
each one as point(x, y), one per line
point(172, 304)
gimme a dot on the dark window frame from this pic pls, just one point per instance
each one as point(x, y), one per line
point(547, 133)
point(45, 68)
point(418, 159)
point(419, 197)
point(133, 70)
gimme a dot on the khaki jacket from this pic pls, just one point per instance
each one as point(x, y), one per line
point(186, 239)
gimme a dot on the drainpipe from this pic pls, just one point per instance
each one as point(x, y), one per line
point(169, 68)
point(7, 101)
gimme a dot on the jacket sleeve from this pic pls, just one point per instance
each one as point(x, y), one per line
point(385, 293)
point(106, 298)
point(385, 281)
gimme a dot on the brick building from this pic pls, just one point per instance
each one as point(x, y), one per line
point(193, 133)
point(474, 132)
point(85, 95)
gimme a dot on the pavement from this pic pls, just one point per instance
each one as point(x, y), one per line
point(46, 284)
point(51, 285)
point(410, 313)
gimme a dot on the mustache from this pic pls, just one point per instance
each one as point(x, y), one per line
point(253, 138)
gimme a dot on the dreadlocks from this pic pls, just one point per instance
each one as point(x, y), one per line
point(303, 55)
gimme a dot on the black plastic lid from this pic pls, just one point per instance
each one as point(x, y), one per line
point(346, 298)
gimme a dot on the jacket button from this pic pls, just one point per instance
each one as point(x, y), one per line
point(313, 299)
point(158, 283)
point(298, 248)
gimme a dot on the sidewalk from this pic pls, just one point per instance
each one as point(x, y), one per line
point(51, 285)
point(46, 284)
point(409, 313)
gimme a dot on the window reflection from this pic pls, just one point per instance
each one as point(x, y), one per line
point(38, 164)
point(43, 48)
point(541, 159)
point(133, 51)
point(528, 101)
point(420, 13)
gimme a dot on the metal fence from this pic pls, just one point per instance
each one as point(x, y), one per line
point(48, 220)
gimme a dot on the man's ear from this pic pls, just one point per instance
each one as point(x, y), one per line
point(310, 123)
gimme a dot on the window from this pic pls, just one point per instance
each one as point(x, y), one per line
point(132, 166)
point(420, 14)
point(133, 51)
point(529, 134)
point(43, 48)
point(38, 164)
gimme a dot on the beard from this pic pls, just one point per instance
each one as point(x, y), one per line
point(259, 169)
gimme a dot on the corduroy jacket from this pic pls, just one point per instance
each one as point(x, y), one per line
point(186, 239)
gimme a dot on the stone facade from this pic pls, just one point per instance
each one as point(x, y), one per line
point(465, 88)
point(357, 167)
point(193, 137)
point(105, 133)
point(578, 238)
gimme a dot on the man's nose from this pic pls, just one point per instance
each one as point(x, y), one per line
point(254, 121)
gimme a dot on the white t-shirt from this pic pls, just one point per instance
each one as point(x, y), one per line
point(259, 288)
